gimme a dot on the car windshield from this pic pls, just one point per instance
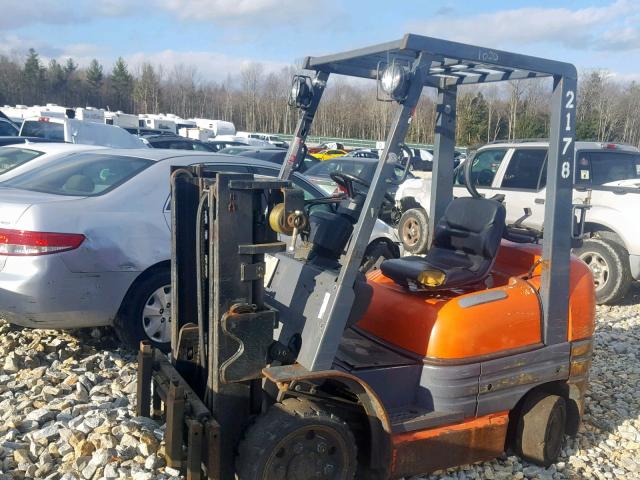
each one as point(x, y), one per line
point(48, 130)
point(84, 174)
point(11, 157)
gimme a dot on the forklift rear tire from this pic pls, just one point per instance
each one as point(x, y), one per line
point(297, 440)
point(541, 428)
point(413, 230)
point(134, 322)
point(609, 264)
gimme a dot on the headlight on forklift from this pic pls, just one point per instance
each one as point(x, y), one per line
point(301, 92)
point(393, 81)
point(432, 278)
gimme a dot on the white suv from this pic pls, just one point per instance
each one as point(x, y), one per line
point(606, 175)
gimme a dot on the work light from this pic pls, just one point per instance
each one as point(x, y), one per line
point(301, 92)
point(393, 81)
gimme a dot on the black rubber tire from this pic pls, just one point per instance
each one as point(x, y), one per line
point(619, 278)
point(264, 439)
point(375, 254)
point(541, 428)
point(128, 321)
point(416, 221)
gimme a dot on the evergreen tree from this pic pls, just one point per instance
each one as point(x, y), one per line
point(121, 85)
point(56, 82)
point(33, 78)
point(71, 80)
point(95, 79)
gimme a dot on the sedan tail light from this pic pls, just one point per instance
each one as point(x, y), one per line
point(23, 242)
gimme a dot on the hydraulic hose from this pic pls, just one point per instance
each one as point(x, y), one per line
point(204, 199)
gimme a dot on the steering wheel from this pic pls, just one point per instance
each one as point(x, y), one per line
point(346, 180)
point(468, 179)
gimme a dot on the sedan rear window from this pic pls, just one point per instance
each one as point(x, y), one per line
point(83, 174)
point(48, 130)
point(11, 157)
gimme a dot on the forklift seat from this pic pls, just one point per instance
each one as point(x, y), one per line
point(464, 248)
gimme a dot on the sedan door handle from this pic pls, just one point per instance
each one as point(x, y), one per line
point(539, 201)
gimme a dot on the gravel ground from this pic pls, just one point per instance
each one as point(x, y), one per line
point(66, 410)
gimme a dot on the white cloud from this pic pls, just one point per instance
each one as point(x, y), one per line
point(18, 13)
point(243, 11)
point(209, 65)
point(577, 29)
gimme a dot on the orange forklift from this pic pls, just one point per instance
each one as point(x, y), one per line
point(287, 363)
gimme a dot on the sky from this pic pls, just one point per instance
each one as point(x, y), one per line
point(219, 37)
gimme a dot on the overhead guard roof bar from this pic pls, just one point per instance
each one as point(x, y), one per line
point(495, 65)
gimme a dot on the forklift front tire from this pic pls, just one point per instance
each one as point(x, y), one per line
point(297, 440)
point(541, 428)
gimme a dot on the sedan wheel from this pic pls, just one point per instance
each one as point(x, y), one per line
point(156, 315)
point(145, 313)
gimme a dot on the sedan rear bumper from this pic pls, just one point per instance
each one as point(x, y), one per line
point(41, 292)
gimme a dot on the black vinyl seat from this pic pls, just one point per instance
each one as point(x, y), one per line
point(464, 248)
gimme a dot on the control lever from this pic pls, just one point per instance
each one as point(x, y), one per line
point(298, 221)
point(527, 214)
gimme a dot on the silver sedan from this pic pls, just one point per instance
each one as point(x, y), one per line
point(85, 239)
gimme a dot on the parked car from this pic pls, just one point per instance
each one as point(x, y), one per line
point(364, 168)
point(270, 139)
point(329, 154)
point(363, 154)
point(176, 142)
point(218, 145)
point(85, 239)
point(269, 154)
point(606, 175)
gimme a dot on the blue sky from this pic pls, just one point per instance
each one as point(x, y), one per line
point(219, 36)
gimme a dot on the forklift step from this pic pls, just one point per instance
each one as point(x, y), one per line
point(417, 418)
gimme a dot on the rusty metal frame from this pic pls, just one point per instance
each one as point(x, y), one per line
point(189, 422)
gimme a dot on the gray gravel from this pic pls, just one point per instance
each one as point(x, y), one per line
point(66, 411)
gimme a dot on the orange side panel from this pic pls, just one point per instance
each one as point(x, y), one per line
point(439, 327)
point(507, 324)
point(498, 418)
point(467, 442)
point(435, 325)
point(582, 301)
point(400, 317)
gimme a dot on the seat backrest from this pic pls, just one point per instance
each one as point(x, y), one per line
point(473, 226)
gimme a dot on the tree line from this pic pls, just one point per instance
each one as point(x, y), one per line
point(256, 100)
